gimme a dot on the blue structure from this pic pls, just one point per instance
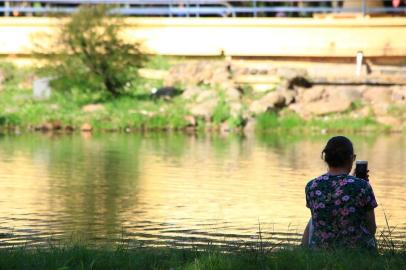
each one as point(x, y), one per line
point(208, 8)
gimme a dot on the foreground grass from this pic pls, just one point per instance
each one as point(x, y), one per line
point(79, 257)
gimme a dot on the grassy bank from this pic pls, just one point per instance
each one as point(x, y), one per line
point(138, 110)
point(66, 111)
point(79, 257)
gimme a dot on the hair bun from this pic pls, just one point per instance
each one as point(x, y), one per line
point(338, 151)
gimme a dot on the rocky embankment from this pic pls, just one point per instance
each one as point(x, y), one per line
point(224, 95)
point(207, 84)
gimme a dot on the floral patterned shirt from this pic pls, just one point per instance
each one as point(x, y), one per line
point(339, 204)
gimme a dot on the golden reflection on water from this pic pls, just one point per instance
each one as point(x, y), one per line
point(172, 187)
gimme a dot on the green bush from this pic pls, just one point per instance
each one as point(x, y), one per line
point(89, 54)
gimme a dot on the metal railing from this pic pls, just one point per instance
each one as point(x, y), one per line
point(208, 8)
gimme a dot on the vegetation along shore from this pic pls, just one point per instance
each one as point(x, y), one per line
point(183, 102)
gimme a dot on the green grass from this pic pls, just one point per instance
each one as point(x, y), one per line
point(211, 258)
point(136, 110)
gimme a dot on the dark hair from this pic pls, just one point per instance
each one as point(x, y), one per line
point(338, 151)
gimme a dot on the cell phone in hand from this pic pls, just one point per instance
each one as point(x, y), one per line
point(361, 169)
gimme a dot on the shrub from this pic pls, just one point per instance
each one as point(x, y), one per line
point(88, 53)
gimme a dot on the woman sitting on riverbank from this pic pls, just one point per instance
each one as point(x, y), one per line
point(341, 205)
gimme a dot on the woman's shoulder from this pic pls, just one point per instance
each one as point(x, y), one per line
point(313, 183)
point(358, 181)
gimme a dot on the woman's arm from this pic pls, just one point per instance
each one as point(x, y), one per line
point(370, 221)
point(305, 237)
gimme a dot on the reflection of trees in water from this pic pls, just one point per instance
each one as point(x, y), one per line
point(92, 182)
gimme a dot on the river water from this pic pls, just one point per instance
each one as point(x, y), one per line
point(160, 189)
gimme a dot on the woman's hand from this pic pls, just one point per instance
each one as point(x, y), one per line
point(366, 178)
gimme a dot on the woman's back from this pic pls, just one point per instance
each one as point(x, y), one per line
point(339, 204)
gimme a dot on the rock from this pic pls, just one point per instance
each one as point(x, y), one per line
point(313, 94)
point(325, 100)
point(269, 101)
point(299, 109)
point(235, 109)
point(206, 95)
point(399, 95)
point(191, 120)
point(56, 125)
point(232, 94)
point(289, 95)
point(327, 107)
point(191, 93)
point(380, 108)
point(69, 128)
point(93, 108)
point(340, 94)
point(41, 88)
point(204, 109)
point(250, 126)
point(375, 95)
point(86, 127)
point(390, 121)
point(362, 113)
point(47, 127)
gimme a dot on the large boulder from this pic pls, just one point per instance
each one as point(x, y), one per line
point(380, 99)
point(232, 94)
point(290, 95)
point(380, 109)
point(191, 93)
point(341, 93)
point(376, 95)
point(311, 95)
point(324, 107)
point(269, 101)
point(206, 95)
point(323, 100)
point(204, 109)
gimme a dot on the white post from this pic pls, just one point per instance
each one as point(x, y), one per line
point(359, 60)
point(7, 6)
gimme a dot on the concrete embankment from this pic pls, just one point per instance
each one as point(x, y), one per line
point(289, 37)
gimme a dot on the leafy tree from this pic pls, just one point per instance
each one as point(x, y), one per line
point(88, 53)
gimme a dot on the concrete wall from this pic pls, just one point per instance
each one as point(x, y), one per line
point(301, 37)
